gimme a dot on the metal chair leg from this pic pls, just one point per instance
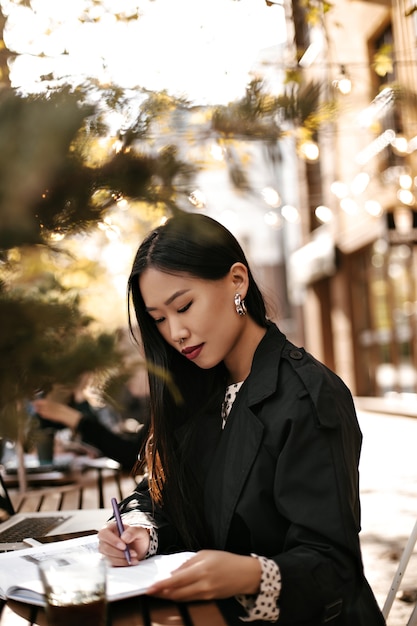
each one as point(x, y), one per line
point(405, 557)
point(413, 617)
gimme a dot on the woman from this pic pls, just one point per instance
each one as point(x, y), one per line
point(253, 451)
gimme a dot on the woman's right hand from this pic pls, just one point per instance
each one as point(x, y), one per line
point(112, 546)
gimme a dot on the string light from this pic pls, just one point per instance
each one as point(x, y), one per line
point(400, 145)
point(405, 181)
point(349, 206)
point(273, 219)
point(271, 196)
point(290, 213)
point(324, 214)
point(309, 150)
point(339, 189)
point(343, 83)
point(374, 208)
point(406, 197)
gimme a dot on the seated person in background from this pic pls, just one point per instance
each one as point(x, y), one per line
point(70, 408)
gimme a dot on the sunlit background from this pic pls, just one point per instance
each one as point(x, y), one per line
point(205, 52)
point(324, 205)
point(193, 48)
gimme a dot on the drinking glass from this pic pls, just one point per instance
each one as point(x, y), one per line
point(75, 589)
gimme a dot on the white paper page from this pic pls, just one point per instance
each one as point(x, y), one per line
point(18, 570)
point(20, 567)
point(123, 582)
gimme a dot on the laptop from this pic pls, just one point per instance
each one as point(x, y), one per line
point(61, 463)
point(45, 525)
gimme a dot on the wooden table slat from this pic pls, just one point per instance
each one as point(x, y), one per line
point(206, 614)
point(127, 613)
point(164, 613)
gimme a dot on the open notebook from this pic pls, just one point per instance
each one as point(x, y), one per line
point(19, 578)
point(15, 527)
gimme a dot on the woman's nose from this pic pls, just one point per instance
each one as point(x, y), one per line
point(178, 332)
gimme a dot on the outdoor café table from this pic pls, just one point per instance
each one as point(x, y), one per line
point(140, 611)
point(79, 472)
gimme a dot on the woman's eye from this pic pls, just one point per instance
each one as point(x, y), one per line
point(158, 320)
point(185, 308)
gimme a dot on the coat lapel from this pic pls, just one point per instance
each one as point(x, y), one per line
point(229, 469)
point(240, 441)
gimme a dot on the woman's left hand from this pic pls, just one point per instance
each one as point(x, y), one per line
point(210, 574)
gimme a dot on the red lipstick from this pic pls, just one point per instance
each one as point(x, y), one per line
point(192, 352)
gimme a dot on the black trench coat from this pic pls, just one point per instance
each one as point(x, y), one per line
point(282, 482)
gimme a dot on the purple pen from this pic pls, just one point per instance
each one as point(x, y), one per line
point(120, 526)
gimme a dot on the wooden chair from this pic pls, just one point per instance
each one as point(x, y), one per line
point(53, 498)
point(104, 468)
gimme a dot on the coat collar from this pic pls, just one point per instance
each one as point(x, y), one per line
point(262, 380)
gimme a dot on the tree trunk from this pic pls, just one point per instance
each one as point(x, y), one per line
point(4, 55)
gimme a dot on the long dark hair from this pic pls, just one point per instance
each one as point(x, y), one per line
point(201, 247)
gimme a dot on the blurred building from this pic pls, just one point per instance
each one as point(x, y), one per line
point(355, 275)
point(332, 236)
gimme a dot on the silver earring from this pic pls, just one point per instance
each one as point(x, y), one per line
point(240, 305)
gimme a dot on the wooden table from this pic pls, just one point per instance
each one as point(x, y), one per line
point(82, 472)
point(140, 611)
